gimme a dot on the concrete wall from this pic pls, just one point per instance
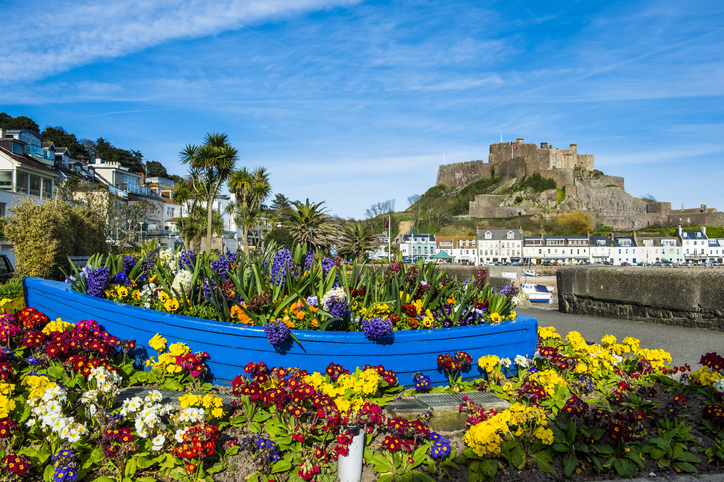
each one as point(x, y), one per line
point(683, 297)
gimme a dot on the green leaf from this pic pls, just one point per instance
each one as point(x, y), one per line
point(144, 462)
point(103, 478)
point(48, 473)
point(381, 463)
point(385, 478)
point(146, 479)
point(131, 467)
point(687, 467)
point(543, 464)
point(281, 466)
point(689, 457)
point(56, 372)
point(623, 467)
point(570, 462)
point(261, 416)
point(172, 384)
point(95, 456)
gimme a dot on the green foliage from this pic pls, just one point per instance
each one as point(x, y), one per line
point(19, 122)
point(131, 159)
point(537, 183)
point(12, 289)
point(560, 194)
point(61, 138)
point(45, 234)
point(282, 237)
point(155, 169)
point(578, 223)
point(711, 231)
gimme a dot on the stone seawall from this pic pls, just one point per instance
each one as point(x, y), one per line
point(671, 296)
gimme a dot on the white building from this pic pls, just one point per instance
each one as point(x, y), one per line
point(556, 249)
point(461, 249)
point(418, 246)
point(657, 249)
point(625, 250)
point(499, 245)
point(695, 245)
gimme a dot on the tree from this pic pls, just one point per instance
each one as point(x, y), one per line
point(125, 221)
point(209, 166)
point(61, 138)
point(195, 224)
point(155, 169)
point(578, 223)
point(309, 224)
point(356, 240)
point(250, 188)
point(280, 203)
point(182, 194)
point(19, 122)
point(379, 209)
point(282, 237)
point(415, 209)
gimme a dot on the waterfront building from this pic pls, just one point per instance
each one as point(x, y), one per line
point(418, 246)
point(461, 249)
point(497, 245)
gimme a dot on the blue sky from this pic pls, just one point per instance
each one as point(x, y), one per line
point(355, 102)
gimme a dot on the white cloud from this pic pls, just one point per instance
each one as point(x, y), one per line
point(63, 35)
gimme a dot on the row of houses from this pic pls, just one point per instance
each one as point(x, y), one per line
point(491, 246)
point(31, 168)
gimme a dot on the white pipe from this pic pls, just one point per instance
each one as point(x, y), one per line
point(349, 467)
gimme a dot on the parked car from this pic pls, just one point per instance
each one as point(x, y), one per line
point(6, 269)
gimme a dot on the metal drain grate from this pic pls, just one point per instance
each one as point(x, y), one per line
point(408, 404)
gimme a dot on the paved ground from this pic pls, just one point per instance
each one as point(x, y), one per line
point(686, 345)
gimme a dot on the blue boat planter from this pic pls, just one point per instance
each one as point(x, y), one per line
point(232, 346)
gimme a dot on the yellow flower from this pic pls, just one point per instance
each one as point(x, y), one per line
point(545, 435)
point(179, 349)
point(608, 340)
point(342, 404)
point(488, 363)
point(189, 400)
point(163, 297)
point(171, 305)
point(513, 315)
point(6, 388)
point(136, 294)
point(548, 333)
point(7, 405)
point(212, 401)
point(122, 291)
point(57, 326)
point(158, 342)
point(217, 412)
point(495, 317)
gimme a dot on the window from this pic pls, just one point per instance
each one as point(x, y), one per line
point(169, 212)
point(488, 235)
point(22, 182)
point(6, 180)
point(2, 210)
point(34, 185)
point(47, 188)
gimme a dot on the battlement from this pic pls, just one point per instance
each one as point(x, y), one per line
point(545, 156)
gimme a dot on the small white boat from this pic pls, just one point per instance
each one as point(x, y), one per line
point(536, 293)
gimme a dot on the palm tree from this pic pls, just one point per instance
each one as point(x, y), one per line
point(356, 240)
point(250, 189)
point(195, 224)
point(309, 224)
point(210, 165)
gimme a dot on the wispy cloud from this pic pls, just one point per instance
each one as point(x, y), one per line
point(66, 34)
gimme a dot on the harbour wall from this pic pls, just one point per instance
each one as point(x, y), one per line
point(683, 297)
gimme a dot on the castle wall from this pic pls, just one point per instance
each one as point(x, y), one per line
point(606, 181)
point(462, 173)
point(694, 219)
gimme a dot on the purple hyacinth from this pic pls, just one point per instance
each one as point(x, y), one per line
point(278, 272)
point(208, 288)
point(221, 266)
point(98, 279)
point(121, 279)
point(129, 262)
point(231, 257)
point(376, 328)
point(338, 309)
point(149, 263)
point(308, 259)
point(327, 265)
point(187, 259)
point(276, 332)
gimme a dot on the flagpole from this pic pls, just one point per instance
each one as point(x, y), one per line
point(389, 241)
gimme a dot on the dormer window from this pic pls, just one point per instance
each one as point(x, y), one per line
point(510, 235)
point(488, 235)
point(601, 242)
point(624, 242)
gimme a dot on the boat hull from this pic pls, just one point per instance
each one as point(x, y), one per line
point(232, 346)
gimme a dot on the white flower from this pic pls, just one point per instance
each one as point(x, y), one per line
point(158, 442)
point(167, 256)
point(719, 385)
point(131, 405)
point(91, 396)
point(192, 414)
point(153, 396)
point(179, 436)
point(337, 294)
point(616, 359)
point(31, 422)
point(182, 280)
point(505, 362)
point(521, 361)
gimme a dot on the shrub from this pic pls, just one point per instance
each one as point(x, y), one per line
point(45, 234)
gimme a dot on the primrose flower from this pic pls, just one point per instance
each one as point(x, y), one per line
point(157, 442)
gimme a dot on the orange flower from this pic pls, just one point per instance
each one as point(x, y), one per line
point(239, 314)
point(315, 323)
point(412, 322)
point(300, 315)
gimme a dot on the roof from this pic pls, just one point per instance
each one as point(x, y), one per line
point(617, 241)
point(408, 237)
point(500, 233)
point(28, 161)
point(442, 255)
point(693, 235)
point(714, 243)
point(594, 241)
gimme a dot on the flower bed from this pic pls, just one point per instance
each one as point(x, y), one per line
point(285, 292)
point(613, 408)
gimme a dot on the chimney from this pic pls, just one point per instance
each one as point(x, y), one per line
point(519, 141)
point(544, 145)
point(703, 230)
point(679, 230)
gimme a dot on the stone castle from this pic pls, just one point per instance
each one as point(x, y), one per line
point(582, 188)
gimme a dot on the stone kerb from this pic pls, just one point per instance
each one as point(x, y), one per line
point(684, 297)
